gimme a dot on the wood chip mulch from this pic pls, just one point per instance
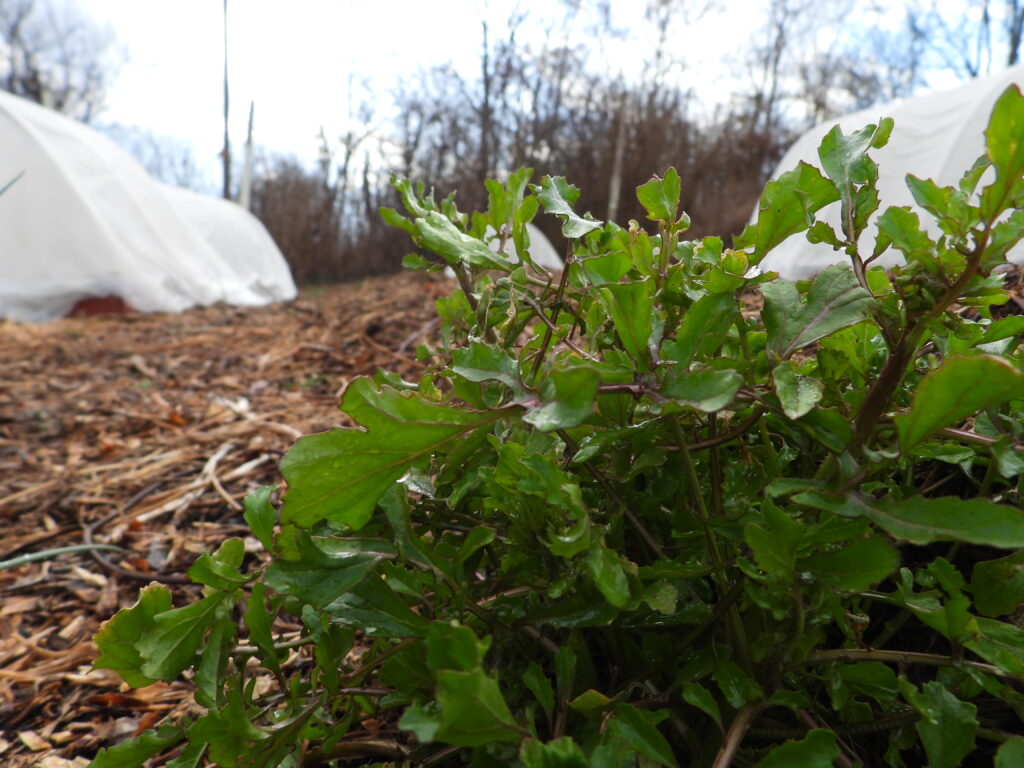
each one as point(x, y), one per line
point(146, 431)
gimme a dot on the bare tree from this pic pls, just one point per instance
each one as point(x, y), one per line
point(969, 37)
point(55, 55)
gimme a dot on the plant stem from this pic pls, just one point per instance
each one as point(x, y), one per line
point(904, 658)
point(554, 316)
point(734, 736)
point(721, 579)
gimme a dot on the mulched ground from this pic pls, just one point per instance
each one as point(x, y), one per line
point(147, 431)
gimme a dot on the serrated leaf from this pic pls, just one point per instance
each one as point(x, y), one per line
point(568, 396)
point(947, 726)
point(439, 235)
point(816, 750)
point(538, 684)
point(132, 753)
point(260, 515)
point(220, 570)
point(783, 208)
point(706, 389)
point(1004, 145)
point(171, 645)
point(855, 567)
point(118, 637)
point(318, 577)
point(228, 732)
point(960, 387)
point(341, 474)
point(835, 300)
point(557, 196)
point(660, 197)
point(797, 393)
point(634, 727)
point(213, 662)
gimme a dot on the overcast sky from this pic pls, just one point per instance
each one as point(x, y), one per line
point(295, 59)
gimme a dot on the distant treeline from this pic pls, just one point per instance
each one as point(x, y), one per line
point(557, 108)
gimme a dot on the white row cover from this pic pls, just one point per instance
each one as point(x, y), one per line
point(938, 136)
point(85, 220)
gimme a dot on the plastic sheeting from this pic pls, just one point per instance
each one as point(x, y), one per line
point(85, 220)
point(938, 136)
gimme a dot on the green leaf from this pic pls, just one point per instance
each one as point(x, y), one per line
point(903, 228)
point(473, 710)
point(220, 570)
point(737, 687)
point(947, 726)
point(706, 389)
point(558, 196)
point(539, 685)
point(960, 387)
point(132, 753)
point(118, 637)
point(998, 585)
point(922, 521)
point(709, 315)
point(318, 577)
point(213, 663)
point(481, 362)
point(171, 645)
point(775, 548)
point(229, 732)
point(452, 646)
point(1006, 328)
point(630, 307)
point(375, 608)
point(560, 753)
point(700, 697)
point(1004, 144)
point(1011, 753)
point(660, 197)
point(797, 393)
point(816, 750)
point(835, 300)
point(568, 396)
point(634, 727)
point(260, 515)
point(606, 569)
point(855, 567)
point(784, 208)
point(341, 474)
point(258, 620)
point(437, 234)
point(423, 723)
point(591, 702)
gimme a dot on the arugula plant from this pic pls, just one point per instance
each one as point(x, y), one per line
point(626, 520)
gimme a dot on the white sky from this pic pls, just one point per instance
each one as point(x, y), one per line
point(294, 59)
